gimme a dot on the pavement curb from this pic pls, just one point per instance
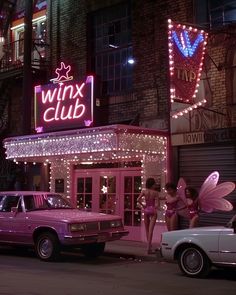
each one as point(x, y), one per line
point(131, 256)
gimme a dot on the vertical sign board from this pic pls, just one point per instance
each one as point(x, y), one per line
point(65, 103)
point(186, 54)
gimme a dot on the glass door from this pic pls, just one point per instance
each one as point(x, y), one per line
point(111, 191)
point(84, 186)
point(97, 190)
point(131, 188)
point(107, 194)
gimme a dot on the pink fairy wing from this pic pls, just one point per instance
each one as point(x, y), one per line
point(219, 191)
point(216, 204)
point(213, 200)
point(181, 189)
point(209, 183)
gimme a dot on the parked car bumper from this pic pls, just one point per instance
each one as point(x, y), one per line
point(70, 240)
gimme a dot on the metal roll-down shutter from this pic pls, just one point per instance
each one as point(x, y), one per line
point(197, 162)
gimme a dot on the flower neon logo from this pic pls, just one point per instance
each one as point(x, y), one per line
point(184, 44)
point(62, 74)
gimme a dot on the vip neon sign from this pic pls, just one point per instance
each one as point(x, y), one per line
point(186, 54)
point(184, 43)
point(65, 103)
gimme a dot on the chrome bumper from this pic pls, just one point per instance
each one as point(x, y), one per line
point(93, 238)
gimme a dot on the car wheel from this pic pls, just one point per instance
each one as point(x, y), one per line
point(47, 247)
point(93, 250)
point(193, 262)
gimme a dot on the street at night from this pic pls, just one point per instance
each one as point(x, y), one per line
point(23, 274)
point(118, 144)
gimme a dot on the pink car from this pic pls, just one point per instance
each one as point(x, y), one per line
point(49, 223)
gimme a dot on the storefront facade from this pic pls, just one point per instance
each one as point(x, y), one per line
point(100, 169)
point(197, 154)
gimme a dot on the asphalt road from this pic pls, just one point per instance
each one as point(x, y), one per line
point(23, 274)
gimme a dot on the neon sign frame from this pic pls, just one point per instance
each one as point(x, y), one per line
point(186, 54)
point(64, 104)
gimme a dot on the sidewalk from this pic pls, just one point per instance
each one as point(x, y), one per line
point(131, 250)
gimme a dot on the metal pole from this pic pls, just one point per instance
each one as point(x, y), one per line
point(27, 73)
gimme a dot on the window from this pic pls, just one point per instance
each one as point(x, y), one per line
point(231, 75)
point(107, 194)
point(132, 212)
point(222, 12)
point(8, 202)
point(39, 39)
point(215, 13)
point(112, 49)
point(84, 193)
point(234, 78)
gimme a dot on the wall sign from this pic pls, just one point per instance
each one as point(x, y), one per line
point(65, 103)
point(186, 55)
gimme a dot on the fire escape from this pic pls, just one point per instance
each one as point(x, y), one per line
point(6, 11)
point(13, 66)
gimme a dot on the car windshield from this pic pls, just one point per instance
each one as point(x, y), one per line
point(45, 201)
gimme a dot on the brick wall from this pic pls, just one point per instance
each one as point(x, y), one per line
point(150, 98)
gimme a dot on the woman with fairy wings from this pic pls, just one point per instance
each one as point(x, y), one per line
point(210, 198)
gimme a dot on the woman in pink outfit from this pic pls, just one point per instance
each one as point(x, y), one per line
point(149, 201)
point(172, 199)
point(191, 195)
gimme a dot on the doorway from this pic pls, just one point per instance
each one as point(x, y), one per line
point(111, 191)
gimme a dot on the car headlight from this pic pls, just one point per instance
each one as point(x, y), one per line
point(77, 227)
point(116, 223)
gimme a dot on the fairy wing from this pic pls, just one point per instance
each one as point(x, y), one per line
point(216, 204)
point(209, 184)
point(213, 199)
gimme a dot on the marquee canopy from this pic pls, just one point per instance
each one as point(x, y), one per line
point(98, 143)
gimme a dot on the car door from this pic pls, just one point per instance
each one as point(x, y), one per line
point(13, 223)
point(227, 246)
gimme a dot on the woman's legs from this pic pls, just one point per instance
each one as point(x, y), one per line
point(152, 223)
point(174, 222)
point(193, 221)
point(146, 223)
point(167, 219)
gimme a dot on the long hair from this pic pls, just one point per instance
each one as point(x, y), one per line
point(170, 185)
point(150, 182)
point(193, 192)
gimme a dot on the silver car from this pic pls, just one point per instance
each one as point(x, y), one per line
point(197, 249)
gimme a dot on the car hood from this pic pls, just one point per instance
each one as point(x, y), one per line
point(70, 215)
point(197, 230)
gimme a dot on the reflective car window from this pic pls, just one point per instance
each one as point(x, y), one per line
point(57, 201)
point(2, 197)
point(29, 203)
point(42, 202)
point(8, 202)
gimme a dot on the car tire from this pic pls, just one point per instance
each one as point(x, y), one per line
point(193, 262)
point(47, 247)
point(93, 250)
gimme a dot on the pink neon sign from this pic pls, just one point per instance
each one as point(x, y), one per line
point(65, 104)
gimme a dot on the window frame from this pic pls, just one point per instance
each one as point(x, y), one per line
point(111, 63)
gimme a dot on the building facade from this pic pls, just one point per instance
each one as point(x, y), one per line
point(124, 46)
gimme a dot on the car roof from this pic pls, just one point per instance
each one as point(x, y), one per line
point(25, 193)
